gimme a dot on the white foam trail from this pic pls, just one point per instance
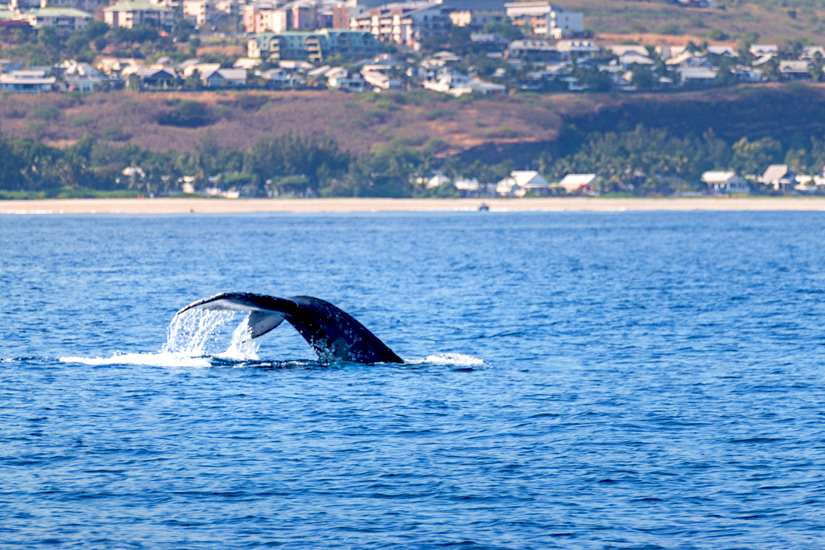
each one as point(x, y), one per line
point(454, 359)
point(148, 359)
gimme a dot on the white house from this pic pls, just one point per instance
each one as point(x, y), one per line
point(27, 81)
point(66, 19)
point(578, 183)
point(224, 78)
point(469, 187)
point(545, 19)
point(338, 78)
point(380, 81)
point(724, 182)
point(521, 182)
point(132, 14)
point(780, 177)
point(436, 180)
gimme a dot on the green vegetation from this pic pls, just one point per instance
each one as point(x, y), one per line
point(49, 46)
point(642, 162)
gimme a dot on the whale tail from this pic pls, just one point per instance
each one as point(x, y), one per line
point(333, 334)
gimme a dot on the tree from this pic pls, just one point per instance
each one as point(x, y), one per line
point(11, 177)
point(751, 157)
point(643, 78)
point(316, 158)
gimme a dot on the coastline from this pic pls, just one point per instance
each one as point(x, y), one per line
point(334, 205)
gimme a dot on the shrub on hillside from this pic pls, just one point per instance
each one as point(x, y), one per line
point(186, 114)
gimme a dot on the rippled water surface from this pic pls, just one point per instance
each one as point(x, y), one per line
point(650, 380)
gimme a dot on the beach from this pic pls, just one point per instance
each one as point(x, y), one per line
point(554, 204)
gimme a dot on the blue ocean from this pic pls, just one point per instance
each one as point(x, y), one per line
point(572, 380)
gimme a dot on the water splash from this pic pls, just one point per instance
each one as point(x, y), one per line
point(192, 339)
point(242, 347)
point(196, 333)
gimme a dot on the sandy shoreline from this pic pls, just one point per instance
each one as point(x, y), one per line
point(180, 206)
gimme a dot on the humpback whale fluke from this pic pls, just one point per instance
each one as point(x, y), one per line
point(332, 333)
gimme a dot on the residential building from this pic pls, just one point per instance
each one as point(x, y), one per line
point(380, 81)
point(280, 78)
point(31, 81)
point(475, 19)
point(63, 19)
point(456, 84)
point(152, 77)
point(577, 49)
point(131, 14)
point(693, 77)
point(90, 6)
point(521, 182)
point(115, 66)
point(312, 46)
point(85, 83)
point(406, 24)
point(541, 51)
point(795, 70)
point(724, 182)
point(780, 177)
point(23, 5)
point(578, 183)
point(299, 15)
point(224, 78)
point(544, 19)
point(199, 11)
point(488, 42)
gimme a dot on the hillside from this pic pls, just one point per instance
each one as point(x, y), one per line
point(770, 20)
point(164, 121)
point(489, 129)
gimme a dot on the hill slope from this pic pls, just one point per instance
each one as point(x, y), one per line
point(489, 129)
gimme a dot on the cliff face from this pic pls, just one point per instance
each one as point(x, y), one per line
point(491, 130)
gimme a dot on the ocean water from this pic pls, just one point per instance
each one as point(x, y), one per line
point(573, 380)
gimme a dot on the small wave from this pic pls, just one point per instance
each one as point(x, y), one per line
point(162, 359)
point(452, 359)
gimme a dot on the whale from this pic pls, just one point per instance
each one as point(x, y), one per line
point(333, 334)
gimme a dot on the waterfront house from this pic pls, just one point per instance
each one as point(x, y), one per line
point(578, 183)
point(780, 177)
point(724, 182)
point(521, 182)
point(470, 187)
